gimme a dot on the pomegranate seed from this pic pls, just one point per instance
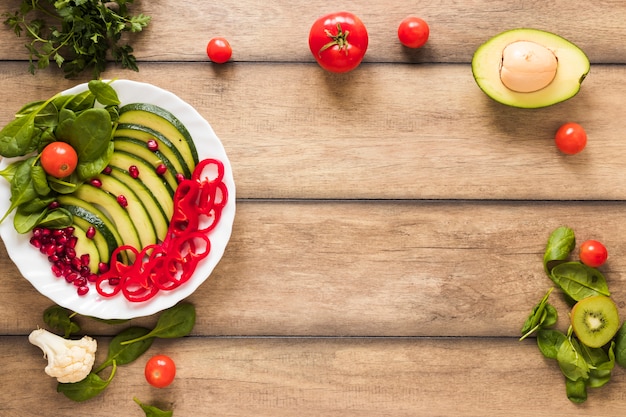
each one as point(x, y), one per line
point(80, 281)
point(122, 200)
point(91, 232)
point(71, 277)
point(84, 259)
point(179, 177)
point(71, 242)
point(35, 242)
point(133, 171)
point(103, 267)
point(82, 290)
point(114, 281)
point(161, 169)
point(96, 182)
point(92, 278)
point(107, 170)
point(153, 145)
point(57, 271)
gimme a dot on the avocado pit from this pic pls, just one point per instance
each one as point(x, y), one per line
point(527, 66)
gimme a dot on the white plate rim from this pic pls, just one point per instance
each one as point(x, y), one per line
point(35, 267)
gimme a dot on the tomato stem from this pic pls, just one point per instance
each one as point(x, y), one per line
point(340, 39)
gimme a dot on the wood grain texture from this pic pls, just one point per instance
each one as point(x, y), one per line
point(331, 377)
point(385, 131)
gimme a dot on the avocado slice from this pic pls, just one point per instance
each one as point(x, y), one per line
point(533, 49)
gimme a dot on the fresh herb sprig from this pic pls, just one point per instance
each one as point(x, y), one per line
point(80, 35)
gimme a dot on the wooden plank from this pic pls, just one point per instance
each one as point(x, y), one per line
point(278, 32)
point(402, 131)
point(311, 377)
point(375, 269)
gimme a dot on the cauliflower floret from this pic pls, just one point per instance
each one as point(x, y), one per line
point(68, 360)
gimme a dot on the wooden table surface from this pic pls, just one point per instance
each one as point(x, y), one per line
point(390, 222)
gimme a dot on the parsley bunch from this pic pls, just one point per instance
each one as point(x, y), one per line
point(76, 34)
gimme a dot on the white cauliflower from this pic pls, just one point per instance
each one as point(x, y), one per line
point(68, 360)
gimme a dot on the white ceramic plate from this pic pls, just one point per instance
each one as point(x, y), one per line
point(35, 267)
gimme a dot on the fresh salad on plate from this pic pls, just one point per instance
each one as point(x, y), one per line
point(117, 198)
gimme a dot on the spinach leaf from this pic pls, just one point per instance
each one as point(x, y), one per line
point(60, 319)
point(22, 189)
point(177, 321)
point(601, 364)
point(152, 411)
point(47, 116)
point(88, 388)
point(79, 102)
point(16, 138)
point(541, 313)
point(9, 172)
point(89, 169)
point(620, 346)
point(36, 205)
point(579, 281)
point(56, 219)
point(560, 244)
point(104, 93)
point(89, 134)
point(576, 390)
point(40, 181)
point(571, 361)
point(25, 222)
point(549, 342)
point(124, 354)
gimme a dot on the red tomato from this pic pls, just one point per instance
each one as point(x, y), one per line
point(338, 41)
point(218, 50)
point(571, 138)
point(160, 371)
point(593, 253)
point(413, 32)
point(59, 159)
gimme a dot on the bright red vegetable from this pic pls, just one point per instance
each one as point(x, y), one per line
point(593, 253)
point(59, 159)
point(413, 32)
point(160, 371)
point(338, 41)
point(571, 138)
point(198, 204)
point(219, 50)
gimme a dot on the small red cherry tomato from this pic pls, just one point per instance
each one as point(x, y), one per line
point(338, 41)
point(219, 50)
point(413, 32)
point(571, 138)
point(160, 371)
point(59, 159)
point(593, 253)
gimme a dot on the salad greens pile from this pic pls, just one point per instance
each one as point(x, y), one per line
point(80, 36)
point(582, 366)
point(72, 118)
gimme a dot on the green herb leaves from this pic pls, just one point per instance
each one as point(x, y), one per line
point(71, 118)
point(582, 366)
point(81, 35)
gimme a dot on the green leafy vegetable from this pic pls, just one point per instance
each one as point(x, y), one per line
point(152, 411)
point(88, 388)
point(125, 354)
point(177, 321)
point(60, 318)
point(543, 315)
point(579, 281)
point(81, 35)
point(560, 244)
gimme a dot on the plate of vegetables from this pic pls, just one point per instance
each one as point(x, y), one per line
point(117, 198)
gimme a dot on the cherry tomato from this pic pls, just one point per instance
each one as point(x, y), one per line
point(338, 41)
point(59, 159)
point(593, 253)
point(571, 138)
point(160, 371)
point(413, 32)
point(218, 50)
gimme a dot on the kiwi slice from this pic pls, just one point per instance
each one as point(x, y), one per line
point(595, 320)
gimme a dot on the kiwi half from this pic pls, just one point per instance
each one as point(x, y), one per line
point(595, 320)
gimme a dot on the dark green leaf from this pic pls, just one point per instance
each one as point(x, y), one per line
point(124, 354)
point(560, 244)
point(88, 388)
point(177, 321)
point(56, 219)
point(549, 342)
point(571, 360)
point(22, 189)
point(90, 134)
point(537, 316)
point(16, 137)
point(105, 94)
point(152, 411)
point(620, 346)
point(40, 181)
point(579, 281)
point(576, 390)
point(60, 319)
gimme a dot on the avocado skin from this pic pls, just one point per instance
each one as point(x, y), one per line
point(573, 68)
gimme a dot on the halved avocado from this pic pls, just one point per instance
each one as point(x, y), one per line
point(534, 49)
